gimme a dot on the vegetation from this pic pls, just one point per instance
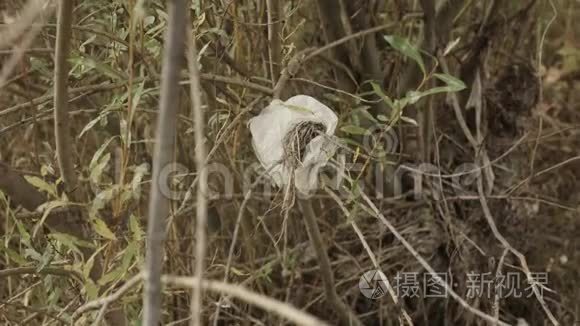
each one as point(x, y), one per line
point(131, 193)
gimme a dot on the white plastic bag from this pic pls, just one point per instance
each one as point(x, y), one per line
point(270, 128)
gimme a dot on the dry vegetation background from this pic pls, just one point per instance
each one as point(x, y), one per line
point(66, 244)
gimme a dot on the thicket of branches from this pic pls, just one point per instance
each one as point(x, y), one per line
point(130, 192)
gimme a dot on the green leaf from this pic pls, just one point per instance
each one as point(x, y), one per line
point(355, 130)
point(87, 266)
point(91, 289)
point(454, 84)
point(402, 45)
point(103, 198)
point(378, 90)
point(102, 229)
point(97, 171)
point(86, 64)
point(31, 253)
point(99, 153)
point(135, 228)
point(129, 255)
point(24, 235)
point(92, 123)
point(409, 120)
point(127, 137)
point(41, 185)
point(87, 42)
point(14, 256)
point(48, 207)
point(363, 111)
point(46, 258)
point(117, 274)
point(140, 172)
point(238, 272)
point(70, 241)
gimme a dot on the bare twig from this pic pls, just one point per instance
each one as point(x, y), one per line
point(283, 309)
point(46, 98)
point(61, 118)
point(105, 301)
point(269, 304)
point(163, 155)
point(348, 39)
point(289, 71)
point(541, 49)
point(200, 161)
point(345, 313)
point(60, 271)
point(274, 13)
point(234, 81)
point(373, 210)
point(498, 273)
point(241, 211)
point(490, 221)
point(457, 110)
point(425, 114)
point(371, 255)
point(110, 86)
point(309, 53)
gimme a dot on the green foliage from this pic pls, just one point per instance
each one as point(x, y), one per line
point(404, 47)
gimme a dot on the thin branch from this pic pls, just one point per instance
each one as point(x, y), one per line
point(60, 271)
point(105, 301)
point(371, 255)
point(344, 312)
point(163, 155)
point(110, 86)
point(289, 71)
point(241, 211)
point(61, 118)
point(498, 272)
point(309, 53)
point(373, 210)
point(269, 304)
point(490, 221)
point(283, 309)
point(457, 109)
point(274, 13)
point(46, 98)
point(234, 81)
point(349, 38)
point(425, 116)
point(200, 161)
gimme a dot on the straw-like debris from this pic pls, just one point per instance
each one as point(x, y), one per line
point(297, 140)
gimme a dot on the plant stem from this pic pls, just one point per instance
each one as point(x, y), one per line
point(346, 315)
point(162, 157)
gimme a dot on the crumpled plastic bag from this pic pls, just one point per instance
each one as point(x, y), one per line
point(269, 129)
